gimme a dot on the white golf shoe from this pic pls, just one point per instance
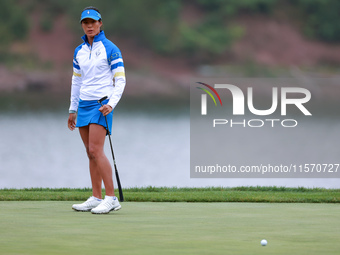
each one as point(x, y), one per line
point(107, 205)
point(89, 204)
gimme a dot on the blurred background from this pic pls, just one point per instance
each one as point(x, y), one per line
point(165, 45)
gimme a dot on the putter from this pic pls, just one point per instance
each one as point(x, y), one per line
point(121, 197)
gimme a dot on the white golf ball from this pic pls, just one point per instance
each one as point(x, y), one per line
point(264, 242)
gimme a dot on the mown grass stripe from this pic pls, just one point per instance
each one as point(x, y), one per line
point(172, 194)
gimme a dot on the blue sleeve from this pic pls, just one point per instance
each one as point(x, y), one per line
point(75, 61)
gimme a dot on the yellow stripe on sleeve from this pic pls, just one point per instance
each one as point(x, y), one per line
point(119, 74)
point(77, 74)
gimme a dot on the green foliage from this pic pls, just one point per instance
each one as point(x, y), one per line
point(321, 19)
point(234, 7)
point(13, 22)
point(211, 37)
point(163, 25)
point(48, 11)
point(46, 23)
point(159, 25)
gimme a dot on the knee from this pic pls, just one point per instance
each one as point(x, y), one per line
point(93, 152)
point(88, 152)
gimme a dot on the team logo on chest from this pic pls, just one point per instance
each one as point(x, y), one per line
point(98, 52)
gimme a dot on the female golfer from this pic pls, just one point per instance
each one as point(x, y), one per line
point(96, 62)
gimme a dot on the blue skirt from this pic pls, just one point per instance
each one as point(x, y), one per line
point(88, 113)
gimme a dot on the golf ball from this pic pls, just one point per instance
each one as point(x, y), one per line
point(264, 242)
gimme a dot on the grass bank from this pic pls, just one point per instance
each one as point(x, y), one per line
point(172, 194)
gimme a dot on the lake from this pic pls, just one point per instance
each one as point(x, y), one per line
point(38, 150)
point(152, 148)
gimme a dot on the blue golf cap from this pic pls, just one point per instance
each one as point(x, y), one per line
point(91, 14)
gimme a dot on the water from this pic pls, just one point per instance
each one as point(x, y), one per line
point(38, 150)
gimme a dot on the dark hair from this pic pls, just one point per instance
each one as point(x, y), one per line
point(92, 8)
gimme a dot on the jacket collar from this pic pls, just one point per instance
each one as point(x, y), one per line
point(97, 38)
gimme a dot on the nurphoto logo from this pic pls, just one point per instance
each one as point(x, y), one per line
point(263, 128)
point(238, 107)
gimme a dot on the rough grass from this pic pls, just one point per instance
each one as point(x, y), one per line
point(165, 194)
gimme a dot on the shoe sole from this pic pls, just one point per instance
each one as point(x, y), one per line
point(113, 209)
point(81, 210)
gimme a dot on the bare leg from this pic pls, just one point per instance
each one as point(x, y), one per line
point(93, 137)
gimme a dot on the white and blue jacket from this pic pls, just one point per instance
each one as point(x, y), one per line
point(94, 68)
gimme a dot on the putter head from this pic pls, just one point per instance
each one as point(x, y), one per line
point(102, 99)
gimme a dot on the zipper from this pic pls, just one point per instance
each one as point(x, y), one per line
point(90, 51)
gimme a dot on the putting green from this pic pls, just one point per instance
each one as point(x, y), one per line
point(40, 227)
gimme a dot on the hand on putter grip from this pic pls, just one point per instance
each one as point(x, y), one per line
point(105, 109)
point(71, 122)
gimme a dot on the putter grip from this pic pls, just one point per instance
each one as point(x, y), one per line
point(102, 99)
